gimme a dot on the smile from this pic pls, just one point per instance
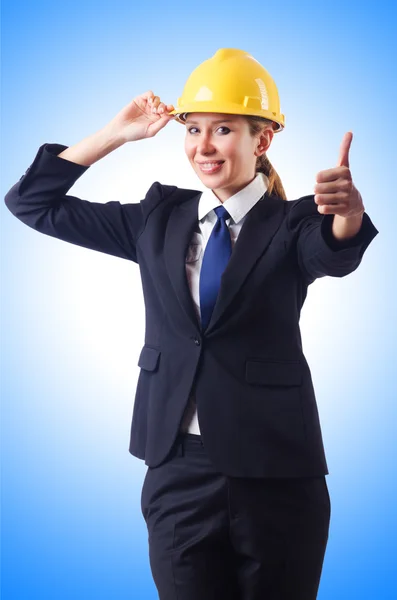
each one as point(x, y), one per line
point(210, 167)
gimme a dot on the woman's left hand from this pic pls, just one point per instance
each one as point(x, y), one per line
point(335, 192)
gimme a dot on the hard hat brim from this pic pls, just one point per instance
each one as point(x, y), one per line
point(211, 107)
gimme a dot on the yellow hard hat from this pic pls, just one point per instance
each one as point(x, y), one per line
point(232, 81)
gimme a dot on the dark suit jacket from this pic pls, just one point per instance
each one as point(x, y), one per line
point(256, 405)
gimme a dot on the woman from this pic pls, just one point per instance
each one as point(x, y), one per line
point(225, 416)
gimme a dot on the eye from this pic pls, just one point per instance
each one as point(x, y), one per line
point(227, 128)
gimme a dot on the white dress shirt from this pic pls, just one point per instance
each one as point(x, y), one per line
point(237, 206)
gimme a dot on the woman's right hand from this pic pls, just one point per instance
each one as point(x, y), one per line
point(142, 118)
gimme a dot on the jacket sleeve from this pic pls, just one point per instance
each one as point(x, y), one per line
point(319, 253)
point(39, 199)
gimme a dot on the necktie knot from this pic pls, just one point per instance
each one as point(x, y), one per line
point(221, 213)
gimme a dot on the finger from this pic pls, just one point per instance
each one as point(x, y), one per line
point(329, 187)
point(163, 109)
point(329, 175)
point(158, 106)
point(338, 197)
point(153, 100)
point(148, 95)
point(331, 209)
point(343, 160)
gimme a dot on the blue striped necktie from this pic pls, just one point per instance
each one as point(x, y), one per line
point(216, 256)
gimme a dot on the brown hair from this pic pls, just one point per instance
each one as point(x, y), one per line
point(263, 164)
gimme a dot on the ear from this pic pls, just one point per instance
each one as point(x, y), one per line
point(265, 139)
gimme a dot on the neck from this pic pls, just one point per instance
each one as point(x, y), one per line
point(225, 193)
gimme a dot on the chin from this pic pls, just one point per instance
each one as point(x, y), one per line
point(210, 180)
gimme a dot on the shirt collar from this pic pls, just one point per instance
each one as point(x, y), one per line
point(237, 205)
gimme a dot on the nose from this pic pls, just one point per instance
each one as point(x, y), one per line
point(205, 145)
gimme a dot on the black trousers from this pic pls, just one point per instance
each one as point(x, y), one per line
point(213, 537)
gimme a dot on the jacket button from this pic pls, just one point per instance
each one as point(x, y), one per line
point(197, 341)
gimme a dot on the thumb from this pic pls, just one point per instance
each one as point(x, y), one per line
point(344, 150)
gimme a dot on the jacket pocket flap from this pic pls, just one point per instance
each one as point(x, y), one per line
point(148, 358)
point(273, 372)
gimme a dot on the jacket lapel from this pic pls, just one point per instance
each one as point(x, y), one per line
point(259, 227)
point(179, 231)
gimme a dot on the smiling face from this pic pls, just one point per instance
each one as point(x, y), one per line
point(225, 138)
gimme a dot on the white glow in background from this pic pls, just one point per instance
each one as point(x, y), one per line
point(73, 319)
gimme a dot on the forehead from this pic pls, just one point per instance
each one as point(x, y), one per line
point(211, 118)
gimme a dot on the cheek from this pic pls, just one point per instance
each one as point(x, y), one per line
point(230, 150)
point(244, 153)
point(189, 150)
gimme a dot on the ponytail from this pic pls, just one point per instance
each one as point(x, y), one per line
point(263, 164)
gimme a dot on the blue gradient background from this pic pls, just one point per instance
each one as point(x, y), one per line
point(73, 319)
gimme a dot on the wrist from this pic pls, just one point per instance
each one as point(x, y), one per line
point(109, 138)
point(346, 227)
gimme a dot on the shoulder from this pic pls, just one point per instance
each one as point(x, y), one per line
point(161, 198)
point(297, 210)
point(301, 209)
point(171, 193)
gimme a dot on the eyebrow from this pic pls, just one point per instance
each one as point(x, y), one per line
point(219, 121)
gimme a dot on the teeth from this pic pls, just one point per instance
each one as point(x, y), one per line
point(210, 165)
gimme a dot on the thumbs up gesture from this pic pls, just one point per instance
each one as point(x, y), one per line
point(335, 192)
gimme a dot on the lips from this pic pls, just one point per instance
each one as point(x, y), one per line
point(212, 167)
